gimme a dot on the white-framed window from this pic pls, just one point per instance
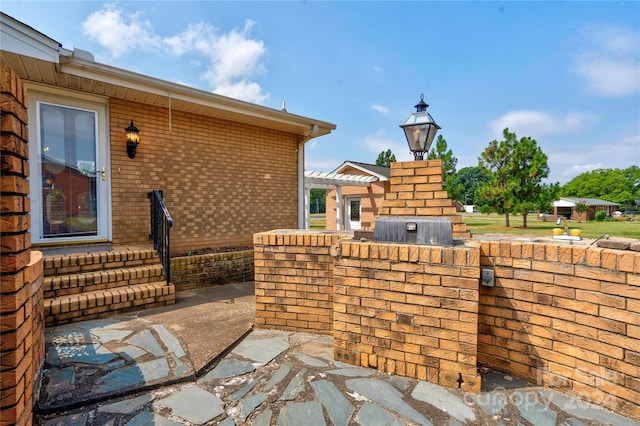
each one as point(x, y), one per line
point(69, 166)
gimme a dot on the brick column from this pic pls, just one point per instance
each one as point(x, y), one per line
point(21, 302)
point(416, 190)
point(294, 279)
point(408, 309)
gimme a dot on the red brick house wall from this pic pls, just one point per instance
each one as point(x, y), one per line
point(21, 302)
point(222, 181)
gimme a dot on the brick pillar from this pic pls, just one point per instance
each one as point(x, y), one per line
point(416, 190)
point(21, 292)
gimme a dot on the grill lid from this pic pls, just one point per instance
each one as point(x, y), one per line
point(435, 231)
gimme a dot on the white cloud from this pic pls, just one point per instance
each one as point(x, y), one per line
point(578, 169)
point(245, 90)
point(537, 123)
point(610, 65)
point(380, 108)
point(195, 38)
point(118, 33)
point(614, 151)
point(231, 60)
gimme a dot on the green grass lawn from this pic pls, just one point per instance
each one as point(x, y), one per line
point(479, 223)
point(318, 221)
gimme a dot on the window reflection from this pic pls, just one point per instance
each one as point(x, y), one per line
point(68, 158)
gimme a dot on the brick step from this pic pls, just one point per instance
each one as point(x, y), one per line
point(87, 261)
point(76, 283)
point(102, 303)
point(91, 282)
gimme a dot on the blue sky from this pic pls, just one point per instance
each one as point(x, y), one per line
point(564, 73)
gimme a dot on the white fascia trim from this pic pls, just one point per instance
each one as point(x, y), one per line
point(21, 39)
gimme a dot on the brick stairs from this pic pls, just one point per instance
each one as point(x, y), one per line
point(82, 284)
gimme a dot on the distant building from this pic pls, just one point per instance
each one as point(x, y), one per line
point(360, 203)
point(566, 207)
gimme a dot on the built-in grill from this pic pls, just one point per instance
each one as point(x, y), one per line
point(415, 230)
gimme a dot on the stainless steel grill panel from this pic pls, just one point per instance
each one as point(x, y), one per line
point(415, 230)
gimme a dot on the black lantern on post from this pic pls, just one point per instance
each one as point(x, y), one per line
point(420, 129)
point(133, 139)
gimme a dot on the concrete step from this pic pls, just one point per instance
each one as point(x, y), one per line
point(102, 303)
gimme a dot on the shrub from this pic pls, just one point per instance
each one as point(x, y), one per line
point(601, 215)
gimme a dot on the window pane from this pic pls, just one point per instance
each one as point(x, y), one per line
point(355, 210)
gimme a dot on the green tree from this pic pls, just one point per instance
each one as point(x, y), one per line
point(516, 168)
point(449, 162)
point(581, 208)
point(496, 194)
point(463, 184)
point(385, 158)
point(318, 200)
point(615, 185)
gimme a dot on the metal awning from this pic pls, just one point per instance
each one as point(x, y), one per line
point(329, 180)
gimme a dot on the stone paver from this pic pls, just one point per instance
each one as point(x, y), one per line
point(386, 396)
point(336, 404)
point(193, 404)
point(228, 368)
point(291, 414)
point(270, 377)
point(441, 398)
point(371, 414)
point(91, 360)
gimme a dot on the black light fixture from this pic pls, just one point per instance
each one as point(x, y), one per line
point(420, 129)
point(133, 139)
point(48, 180)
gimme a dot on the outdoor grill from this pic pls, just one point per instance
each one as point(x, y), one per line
point(414, 230)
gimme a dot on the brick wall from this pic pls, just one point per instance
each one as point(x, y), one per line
point(222, 181)
point(559, 315)
point(565, 316)
point(21, 311)
point(409, 310)
point(190, 272)
point(416, 190)
point(562, 316)
point(294, 280)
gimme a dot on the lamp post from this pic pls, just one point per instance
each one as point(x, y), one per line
point(132, 135)
point(420, 129)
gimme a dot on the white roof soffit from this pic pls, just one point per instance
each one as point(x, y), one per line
point(330, 180)
point(37, 58)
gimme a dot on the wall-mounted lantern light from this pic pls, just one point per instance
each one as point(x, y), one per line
point(420, 129)
point(48, 180)
point(133, 139)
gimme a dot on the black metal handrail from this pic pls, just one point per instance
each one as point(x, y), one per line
point(161, 222)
